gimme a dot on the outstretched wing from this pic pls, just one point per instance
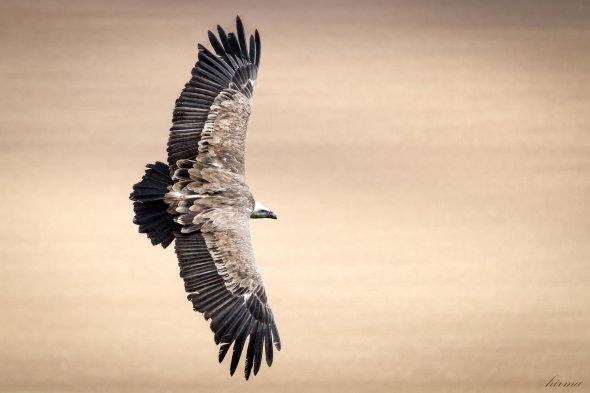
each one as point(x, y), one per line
point(213, 203)
point(233, 67)
point(226, 287)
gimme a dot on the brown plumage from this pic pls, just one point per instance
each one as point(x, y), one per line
point(201, 200)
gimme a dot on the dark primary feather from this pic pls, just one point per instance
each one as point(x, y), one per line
point(233, 62)
point(223, 38)
point(252, 54)
point(258, 48)
point(242, 38)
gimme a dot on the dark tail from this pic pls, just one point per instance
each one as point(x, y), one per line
point(150, 209)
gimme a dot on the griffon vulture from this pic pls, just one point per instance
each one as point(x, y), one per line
point(201, 200)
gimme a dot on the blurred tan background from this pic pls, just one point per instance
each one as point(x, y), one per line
point(429, 162)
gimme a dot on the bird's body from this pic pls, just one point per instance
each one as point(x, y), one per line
point(201, 201)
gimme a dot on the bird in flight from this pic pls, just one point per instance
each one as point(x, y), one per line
point(200, 199)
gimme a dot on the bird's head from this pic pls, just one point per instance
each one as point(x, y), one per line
point(261, 211)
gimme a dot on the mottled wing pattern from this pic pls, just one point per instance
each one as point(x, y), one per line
point(214, 204)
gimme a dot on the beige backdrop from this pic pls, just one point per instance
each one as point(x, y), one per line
point(429, 162)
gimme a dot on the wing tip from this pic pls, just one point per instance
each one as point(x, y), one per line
point(260, 337)
point(227, 43)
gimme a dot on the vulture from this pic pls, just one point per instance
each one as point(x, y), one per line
point(201, 202)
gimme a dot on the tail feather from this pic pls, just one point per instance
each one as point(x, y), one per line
point(151, 213)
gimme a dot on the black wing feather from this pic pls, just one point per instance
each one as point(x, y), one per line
point(258, 348)
point(238, 347)
point(252, 54)
point(217, 47)
point(251, 351)
point(241, 38)
point(258, 48)
point(235, 47)
point(223, 38)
